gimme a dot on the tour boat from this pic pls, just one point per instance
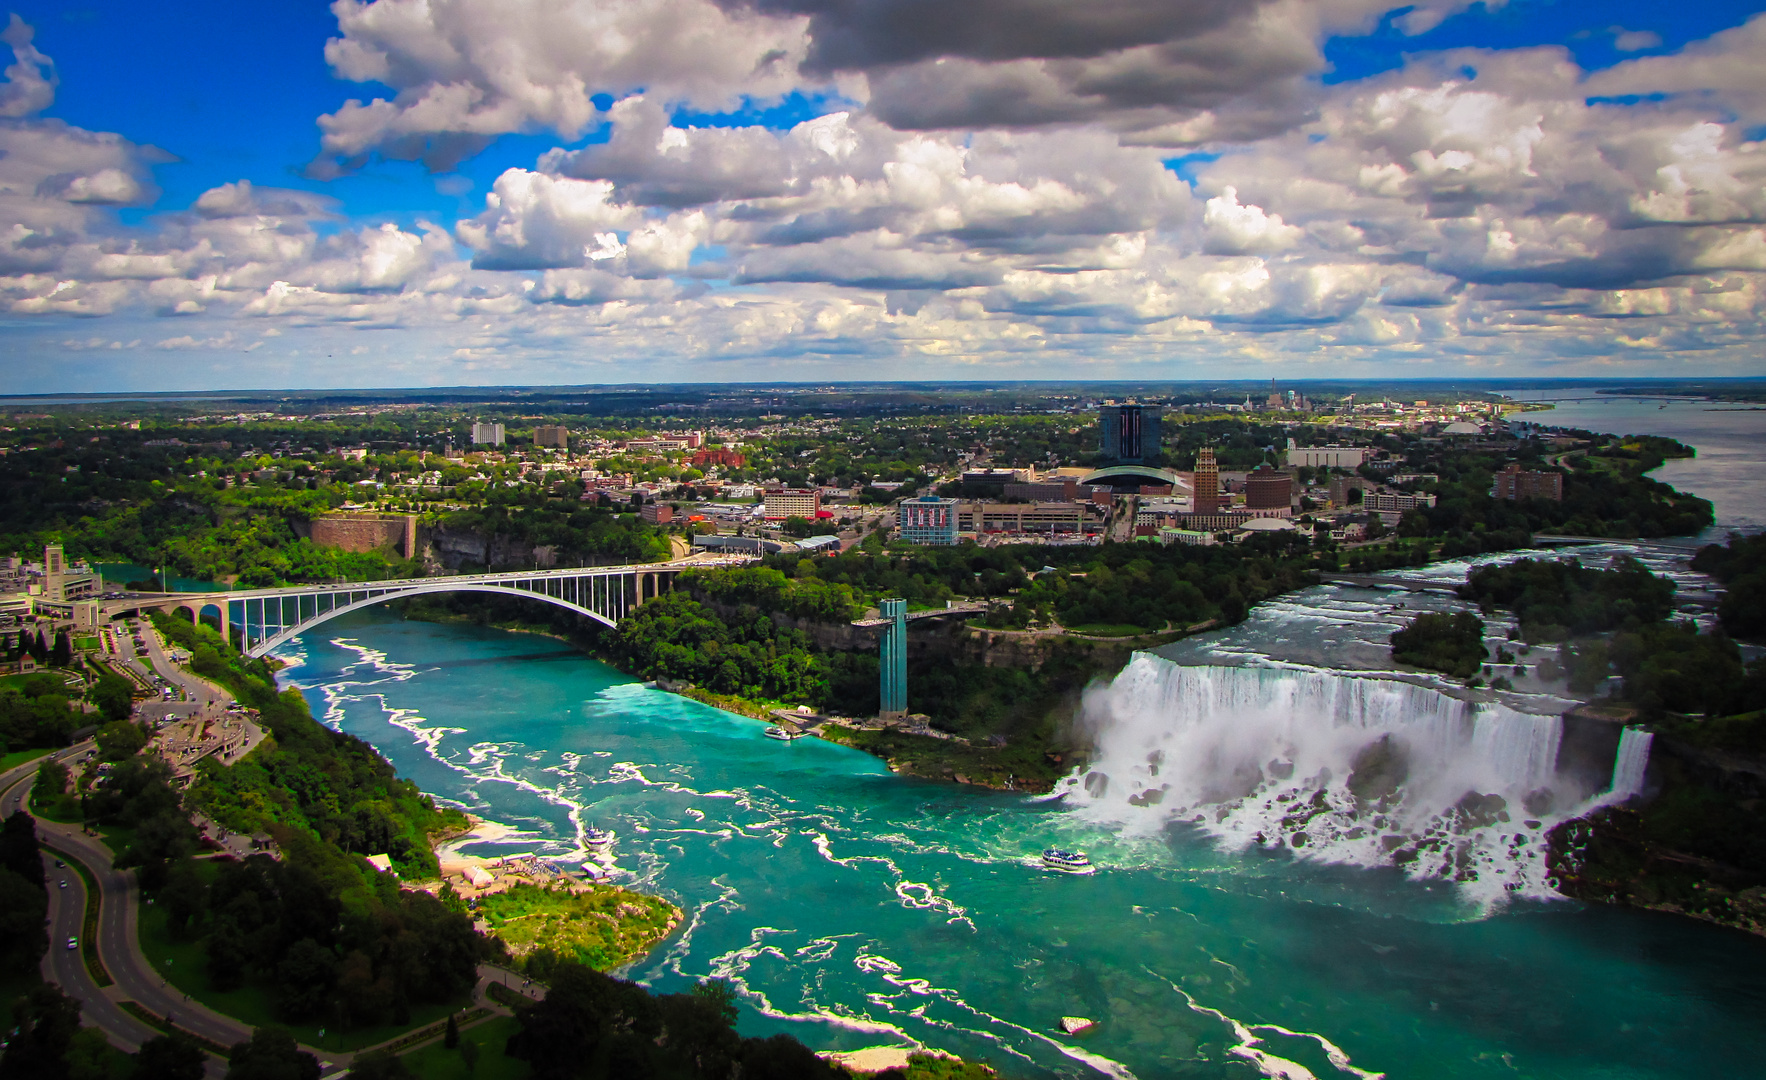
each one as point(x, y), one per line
point(597, 839)
point(781, 734)
point(1067, 862)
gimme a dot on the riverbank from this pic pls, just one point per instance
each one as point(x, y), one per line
point(825, 891)
point(1697, 845)
point(1032, 758)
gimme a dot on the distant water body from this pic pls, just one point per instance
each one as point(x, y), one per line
point(851, 907)
point(1730, 469)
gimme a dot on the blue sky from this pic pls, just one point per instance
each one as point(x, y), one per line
point(576, 191)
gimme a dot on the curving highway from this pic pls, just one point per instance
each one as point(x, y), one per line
point(118, 947)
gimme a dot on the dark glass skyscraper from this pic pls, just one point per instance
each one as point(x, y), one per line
point(1128, 434)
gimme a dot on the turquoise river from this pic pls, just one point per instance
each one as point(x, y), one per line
point(852, 907)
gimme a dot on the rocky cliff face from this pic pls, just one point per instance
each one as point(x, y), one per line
point(944, 637)
point(1693, 845)
point(452, 549)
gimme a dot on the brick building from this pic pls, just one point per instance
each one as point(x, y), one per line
point(1515, 482)
point(1207, 482)
point(718, 456)
point(1269, 491)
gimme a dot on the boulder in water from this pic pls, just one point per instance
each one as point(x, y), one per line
point(1480, 811)
point(1379, 770)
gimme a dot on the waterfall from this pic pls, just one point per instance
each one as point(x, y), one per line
point(1329, 765)
point(1629, 764)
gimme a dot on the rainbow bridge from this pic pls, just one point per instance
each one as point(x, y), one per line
point(267, 618)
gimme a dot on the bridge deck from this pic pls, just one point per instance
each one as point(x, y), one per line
point(968, 608)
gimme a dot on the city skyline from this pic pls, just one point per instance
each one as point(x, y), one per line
point(389, 193)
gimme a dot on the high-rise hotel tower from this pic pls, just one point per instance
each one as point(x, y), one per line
point(1207, 482)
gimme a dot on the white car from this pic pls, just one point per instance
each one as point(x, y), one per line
point(73, 943)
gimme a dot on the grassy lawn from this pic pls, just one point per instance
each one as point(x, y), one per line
point(65, 810)
point(115, 837)
point(181, 964)
point(19, 757)
point(603, 927)
point(60, 677)
point(1110, 630)
point(437, 1062)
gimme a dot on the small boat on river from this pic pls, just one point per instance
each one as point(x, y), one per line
point(1067, 862)
point(782, 735)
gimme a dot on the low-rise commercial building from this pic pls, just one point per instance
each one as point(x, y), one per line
point(1329, 457)
point(992, 517)
point(1341, 486)
point(1054, 489)
point(1186, 537)
point(739, 545)
point(1214, 522)
point(1392, 505)
point(998, 477)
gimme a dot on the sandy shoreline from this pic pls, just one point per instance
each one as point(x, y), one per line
point(875, 1059)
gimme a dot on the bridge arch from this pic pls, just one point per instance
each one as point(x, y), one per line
point(292, 631)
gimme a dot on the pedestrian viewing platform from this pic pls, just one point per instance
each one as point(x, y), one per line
point(952, 607)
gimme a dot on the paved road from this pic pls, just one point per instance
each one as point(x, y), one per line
point(67, 911)
point(117, 944)
point(207, 696)
point(67, 969)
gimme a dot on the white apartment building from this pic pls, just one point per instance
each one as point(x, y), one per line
point(783, 502)
point(487, 434)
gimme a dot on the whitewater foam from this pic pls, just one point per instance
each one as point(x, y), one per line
point(1333, 766)
point(1249, 1046)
